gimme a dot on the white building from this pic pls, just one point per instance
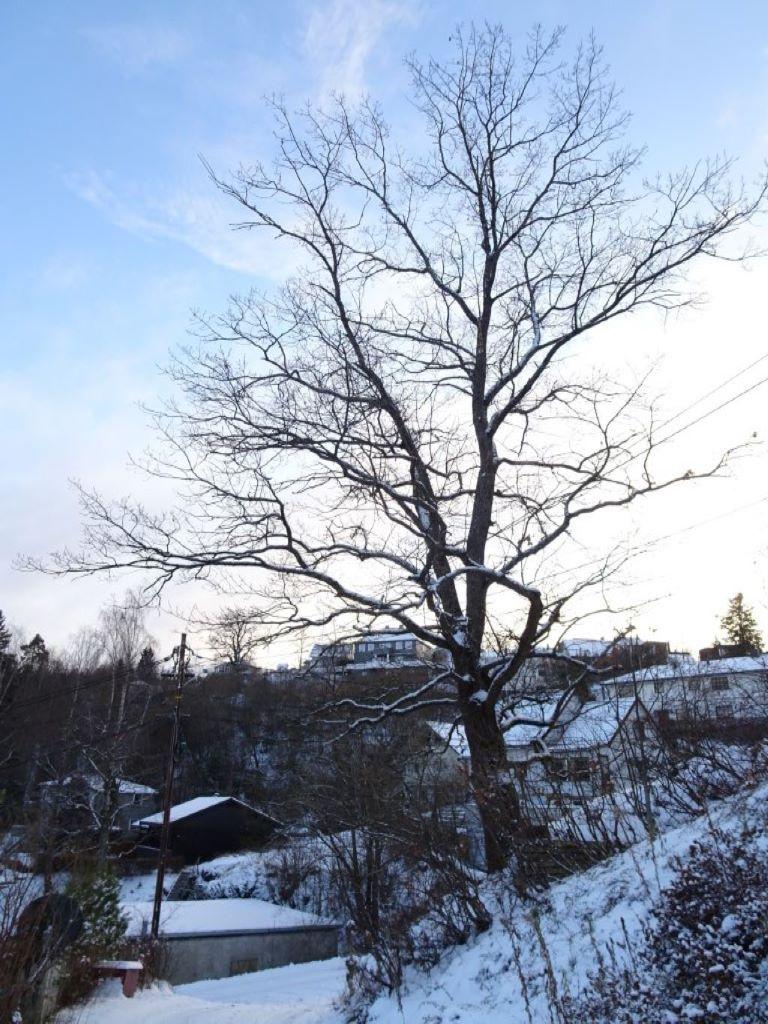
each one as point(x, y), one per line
point(573, 745)
point(371, 651)
point(729, 688)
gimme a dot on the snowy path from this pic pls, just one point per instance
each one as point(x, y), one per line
point(297, 994)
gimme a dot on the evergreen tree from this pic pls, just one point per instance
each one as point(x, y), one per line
point(146, 670)
point(7, 658)
point(740, 625)
point(97, 893)
point(5, 636)
point(34, 655)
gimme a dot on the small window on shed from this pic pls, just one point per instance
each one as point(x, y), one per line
point(658, 686)
point(720, 683)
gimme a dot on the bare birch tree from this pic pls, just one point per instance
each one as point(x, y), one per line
point(404, 433)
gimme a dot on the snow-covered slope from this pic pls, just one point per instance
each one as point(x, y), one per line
point(531, 957)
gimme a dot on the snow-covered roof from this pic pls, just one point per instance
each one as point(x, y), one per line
point(126, 786)
point(524, 733)
point(452, 734)
point(195, 806)
point(520, 735)
point(574, 648)
point(95, 782)
point(190, 917)
point(380, 638)
point(388, 663)
point(693, 669)
point(595, 724)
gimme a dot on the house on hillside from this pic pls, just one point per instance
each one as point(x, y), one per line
point(383, 649)
point(589, 749)
point(610, 657)
point(83, 798)
point(575, 746)
point(722, 689)
point(390, 648)
point(208, 826)
point(717, 652)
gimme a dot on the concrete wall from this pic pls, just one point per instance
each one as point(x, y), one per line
point(194, 957)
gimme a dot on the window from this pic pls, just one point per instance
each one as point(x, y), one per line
point(558, 768)
point(658, 686)
point(723, 710)
point(639, 730)
point(626, 689)
point(580, 769)
point(720, 683)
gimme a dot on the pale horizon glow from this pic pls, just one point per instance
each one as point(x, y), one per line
point(114, 233)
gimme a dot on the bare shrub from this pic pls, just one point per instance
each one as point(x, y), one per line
point(703, 956)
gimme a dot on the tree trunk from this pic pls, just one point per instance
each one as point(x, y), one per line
point(492, 785)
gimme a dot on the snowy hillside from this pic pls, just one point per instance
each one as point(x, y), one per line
point(534, 955)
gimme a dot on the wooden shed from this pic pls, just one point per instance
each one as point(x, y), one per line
point(208, 826)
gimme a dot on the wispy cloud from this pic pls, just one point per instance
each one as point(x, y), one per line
point(199, 218)
point(341, 37)
point(138, 48)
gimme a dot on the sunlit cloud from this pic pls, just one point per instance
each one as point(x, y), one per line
point(341, 36)
point(197, 217)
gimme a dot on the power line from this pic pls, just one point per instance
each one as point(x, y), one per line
point(687, 426)
point(714, 390)
point(660, 539)
point(693, 423)
point(717, 408)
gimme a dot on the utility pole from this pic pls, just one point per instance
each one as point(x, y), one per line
point(168, 797)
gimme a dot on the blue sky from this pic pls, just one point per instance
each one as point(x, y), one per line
point(112, 232)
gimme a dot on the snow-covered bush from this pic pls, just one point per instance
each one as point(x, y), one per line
point(705, 955)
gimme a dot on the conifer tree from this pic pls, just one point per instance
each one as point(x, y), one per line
point(7, 658)
point(146, 670)
point(98, 896)
point(740, 625)
point(34, 655)
point(97, 893)
point(5, 635)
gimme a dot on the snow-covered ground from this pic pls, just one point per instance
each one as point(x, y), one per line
point(134, 888)
point(513, 974)
point(298, 994)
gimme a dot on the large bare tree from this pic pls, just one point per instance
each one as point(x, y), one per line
point(406, 432)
